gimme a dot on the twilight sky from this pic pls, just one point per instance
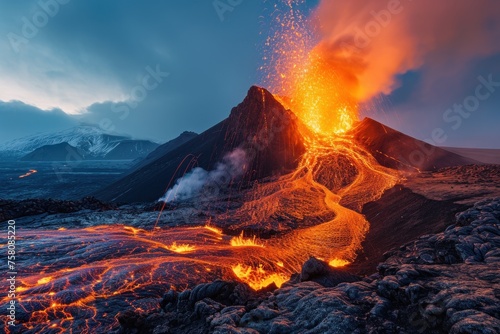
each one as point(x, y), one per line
point(153, 69)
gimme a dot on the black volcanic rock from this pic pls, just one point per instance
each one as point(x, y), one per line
point(131, 149)
point(440, 283)
point(320, 272)
point(11, 209)
point(400, 209)
point(260, 125)
point(56, 152)
point(164, 149)
point(396, 150)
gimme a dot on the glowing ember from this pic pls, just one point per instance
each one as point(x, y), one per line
point(315, 83)
point(241, 241)
point(320, 97)
point(44, 280)
point(257, 278)
point(213, 229)
point(134, 230)
point(31, 172)
point(338, 263)
point(180, 248)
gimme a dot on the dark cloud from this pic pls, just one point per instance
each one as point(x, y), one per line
point(92, 55)
point(18, 120)
point(424, 56)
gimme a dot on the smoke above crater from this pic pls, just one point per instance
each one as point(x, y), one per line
point(382, 39)
point(348, 52)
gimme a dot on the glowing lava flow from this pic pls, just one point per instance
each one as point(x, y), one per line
point(78, 279)
point(258, 278)
point(241, 241)
point(31, 172)
point(180, 248)
point(300, 194)
point(335, 177)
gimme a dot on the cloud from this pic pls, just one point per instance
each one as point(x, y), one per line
point(93, 53)
point(19, 120)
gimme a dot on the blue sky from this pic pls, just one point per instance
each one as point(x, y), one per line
point(95, 61)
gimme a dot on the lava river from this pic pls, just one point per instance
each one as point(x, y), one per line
point(77, 280)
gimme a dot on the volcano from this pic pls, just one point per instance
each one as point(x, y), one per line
point(264, 126)
point(309, 214)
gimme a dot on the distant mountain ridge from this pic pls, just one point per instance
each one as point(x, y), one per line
point(90, 141)
point(56, 152)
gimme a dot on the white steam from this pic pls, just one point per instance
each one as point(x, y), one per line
point(233, 166)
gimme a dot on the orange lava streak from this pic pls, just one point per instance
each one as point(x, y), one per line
point(213, 229)
point(31, 171)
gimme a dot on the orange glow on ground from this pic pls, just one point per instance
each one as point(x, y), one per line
point(241, 241)
point(336, 263)
point(256, 277)
point(134, 230)
point(31, 172)
point(213, 229)
point(180, 248)
point(44, 280)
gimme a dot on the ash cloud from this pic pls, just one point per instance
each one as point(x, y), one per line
point(382, 39)
point(233, 166)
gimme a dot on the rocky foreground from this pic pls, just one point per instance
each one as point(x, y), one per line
point(12, 209)
point(443, 283)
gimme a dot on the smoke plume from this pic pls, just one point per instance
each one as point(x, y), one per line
point(379, 39)
point(233, 166)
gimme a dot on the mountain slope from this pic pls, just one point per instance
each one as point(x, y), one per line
point(260, 125)
point(131, 149)
point(485, 155)
point(56, 152)
point(396, 150)
point(164, 149)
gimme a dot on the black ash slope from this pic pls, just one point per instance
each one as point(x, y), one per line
point(259, 124)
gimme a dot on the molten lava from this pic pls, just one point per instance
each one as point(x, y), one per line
point(180, 248)
point(30, 172)
point(241, 241)
point(321, 95)
point(335, 176)
point(338, 263)
point(257, 278)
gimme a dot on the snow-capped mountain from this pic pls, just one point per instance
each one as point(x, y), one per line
point(92, 141)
